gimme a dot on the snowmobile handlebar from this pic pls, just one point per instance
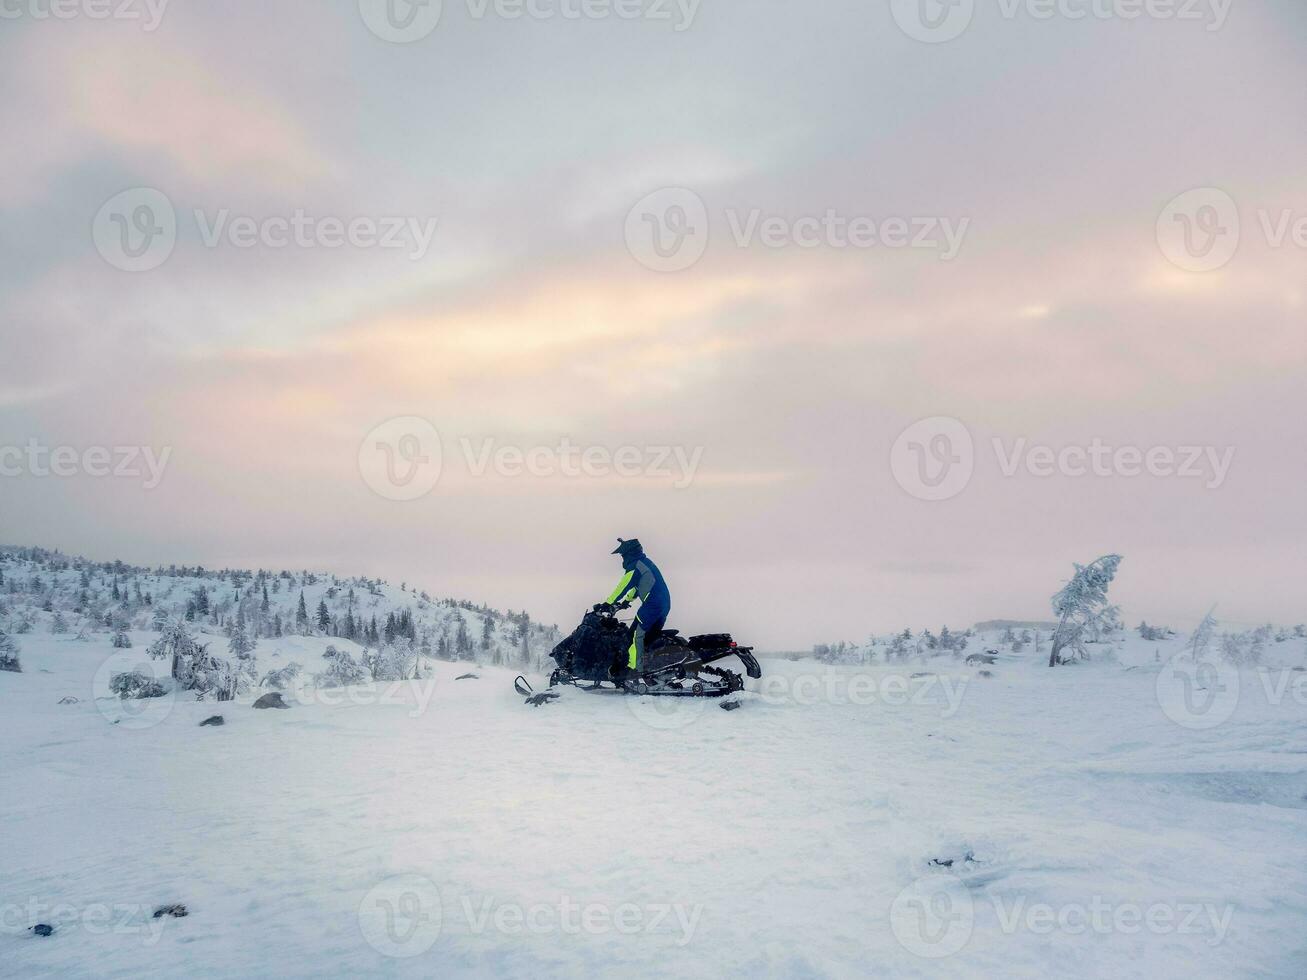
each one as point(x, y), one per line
point(608, 607)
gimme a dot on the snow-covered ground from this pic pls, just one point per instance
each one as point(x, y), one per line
point(1098, 824)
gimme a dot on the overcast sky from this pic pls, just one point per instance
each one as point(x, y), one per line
point(753, 370)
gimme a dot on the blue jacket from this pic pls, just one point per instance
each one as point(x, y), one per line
point(642, 581)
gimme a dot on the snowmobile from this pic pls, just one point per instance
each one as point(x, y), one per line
point(597, 653)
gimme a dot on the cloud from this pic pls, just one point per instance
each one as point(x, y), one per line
point(167, 115)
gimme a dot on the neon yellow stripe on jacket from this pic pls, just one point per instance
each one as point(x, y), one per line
point(624, 590)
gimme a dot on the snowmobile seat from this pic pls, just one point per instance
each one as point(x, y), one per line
point(710, 641)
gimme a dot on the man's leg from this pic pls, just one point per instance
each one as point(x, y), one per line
point(635, 655)
point(642, 637)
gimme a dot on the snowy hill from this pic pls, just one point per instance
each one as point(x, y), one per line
point(83, 599)
point(1132, 815)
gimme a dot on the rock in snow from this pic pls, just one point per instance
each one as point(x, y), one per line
point(272, 700)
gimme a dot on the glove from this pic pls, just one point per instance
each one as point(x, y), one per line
point(603, 608)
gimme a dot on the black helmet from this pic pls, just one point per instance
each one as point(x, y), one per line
point(627, 547)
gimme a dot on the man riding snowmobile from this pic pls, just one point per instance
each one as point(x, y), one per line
point(645, 658)
point(642, 582)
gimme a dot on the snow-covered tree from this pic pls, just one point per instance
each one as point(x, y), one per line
point(9, 654)
point(462, 641)
point(899, 646)
point(192, 666)
point(342, 670)
point(1152, 633)
point(282, 678)
point(240, 645)
point(1202, 637)
point(1104, 622)
point(176, 644)
point(1257, 649)
point(121, 641)
point(1234, 648)
point(1080, 606)
point(392, 662)
point(134, 685)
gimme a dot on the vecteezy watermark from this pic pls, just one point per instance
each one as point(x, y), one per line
point(674, 464)
point(833, 230)
point(666, 713)
point(1201, 230)
point(136, 231)
point(414, 693)
point(934, 459)
point(148, 12)
point(36, 459)
point(302, 230)
point(924, 690)
point(406, 21)
point(95, 919)
point(1208, 463)
point(572, 918)
point(1204, 693)
point(401, 21)
point(403, 459)
point(404, 916)
point(1198, 694)
point(669, 230)
point(1102, 917)
point(144, 702)
point(938, 21)
point(933, 917)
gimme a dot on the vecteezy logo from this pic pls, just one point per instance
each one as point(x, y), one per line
point(933, 459)
point(136, 709)
point(401, 459)
point(666, 713)
point(136, 230)
point(933, 917)
point(667, 231)
point(401, 21)
point(1197, 695)
point(401, 917)
point(933, 21)
point(1199, 230)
